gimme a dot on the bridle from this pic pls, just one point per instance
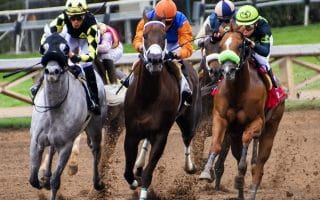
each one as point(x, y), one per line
point(57, 105)
point(154, 47)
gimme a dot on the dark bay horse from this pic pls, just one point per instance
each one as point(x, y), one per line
point(239, 110)
point(152, 106)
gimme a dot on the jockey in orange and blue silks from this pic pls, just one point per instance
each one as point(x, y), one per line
point(178, 35)
point(178, 29)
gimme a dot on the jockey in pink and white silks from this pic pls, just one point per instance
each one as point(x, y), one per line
point(110, 50)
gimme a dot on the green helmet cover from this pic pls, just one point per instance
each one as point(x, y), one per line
point(247, 15)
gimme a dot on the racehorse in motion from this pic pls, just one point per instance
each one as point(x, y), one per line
point(152, 106)
point(60, 113)
point(239, 110)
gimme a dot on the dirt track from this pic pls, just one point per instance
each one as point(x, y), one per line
point(292, 172)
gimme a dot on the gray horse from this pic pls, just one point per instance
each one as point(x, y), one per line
point(60, 114)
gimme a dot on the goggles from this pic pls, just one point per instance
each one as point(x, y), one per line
point(76, 17)
point(224, 20)
point(249, 27)
point(168, 21)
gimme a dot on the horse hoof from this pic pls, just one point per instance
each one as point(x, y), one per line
point(134, 185)
point(99, 186)
point(45, 181)
point(205, 176)
point(239, 182)
point(190, 170)
point(35, 183)
point(73, 169)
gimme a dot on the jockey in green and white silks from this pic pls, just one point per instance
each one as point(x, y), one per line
point(258, 33)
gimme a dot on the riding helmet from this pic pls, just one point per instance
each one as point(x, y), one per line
point(76, 7)
point(166, 9)
point(247, 15)
point(224, 8)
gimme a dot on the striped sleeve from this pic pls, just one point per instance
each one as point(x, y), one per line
point(55, 26)
point(92, 37)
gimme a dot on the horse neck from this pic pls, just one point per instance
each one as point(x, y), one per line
point(55, 92)
point(241, 82)
point(149, 86)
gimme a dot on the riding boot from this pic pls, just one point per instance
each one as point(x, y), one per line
point(35, 88)
point(109, 66)
point(93, 89)
point(272, 77)
point(185, 87)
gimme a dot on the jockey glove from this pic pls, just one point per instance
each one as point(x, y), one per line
point(250, 42)
point(201, 43)
point(170, 55)
point(75, 59)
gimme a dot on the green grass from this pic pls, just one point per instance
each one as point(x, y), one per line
point(296, 35)
point(302, 105)
point(21, 122)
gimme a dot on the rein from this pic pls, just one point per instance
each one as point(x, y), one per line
point(57, 105)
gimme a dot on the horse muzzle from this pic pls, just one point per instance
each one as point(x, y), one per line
point(229, 70)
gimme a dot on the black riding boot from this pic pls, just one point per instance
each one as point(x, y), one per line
point(186, 95)
point(93, 89)
point(109, 66)
point(274, 82)
point(35, 88)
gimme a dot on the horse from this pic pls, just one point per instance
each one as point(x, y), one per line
point(239, 111)
point(209, 77)
point(152, 106)
point(59, 115)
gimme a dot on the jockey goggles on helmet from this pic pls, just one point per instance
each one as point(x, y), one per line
point(76, 17)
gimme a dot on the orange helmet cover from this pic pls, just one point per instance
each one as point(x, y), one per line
point(166, 9)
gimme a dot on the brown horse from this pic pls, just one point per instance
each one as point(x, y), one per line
point(152, 106)
point(209, 77)
point(239, 110)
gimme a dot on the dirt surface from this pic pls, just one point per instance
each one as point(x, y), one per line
point(292, 172)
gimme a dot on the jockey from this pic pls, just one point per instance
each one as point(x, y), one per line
point(219, 20)
point(81, 32)
point(257, 32)
point(109, 50)
point(178, 32)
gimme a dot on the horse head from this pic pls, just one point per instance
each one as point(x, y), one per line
point(234, 52)
point(154, 45)
point(210, 51)
point(55, 52)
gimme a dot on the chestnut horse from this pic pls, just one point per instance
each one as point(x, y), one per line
point(239, 110)
point(209, 77)
point(152, 106)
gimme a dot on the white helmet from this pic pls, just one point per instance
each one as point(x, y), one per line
point(76, 7)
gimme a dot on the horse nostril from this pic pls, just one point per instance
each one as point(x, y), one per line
point(56, 71)
point(46, 71)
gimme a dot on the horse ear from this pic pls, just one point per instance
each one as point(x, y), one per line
point(144, 16)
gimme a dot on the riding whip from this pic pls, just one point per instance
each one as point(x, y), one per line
point(21, 70)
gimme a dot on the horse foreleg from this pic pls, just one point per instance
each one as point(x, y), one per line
point(131, 149)
point(265, 147)
point(95, 137)
point(218, 131)
point(188, 164)
point(219, 166)
point(73, 161)
point(157, 149)
point(64, 154)
point(45, 168)
point(141, 158)
point(252, 131)
point(36, 152)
